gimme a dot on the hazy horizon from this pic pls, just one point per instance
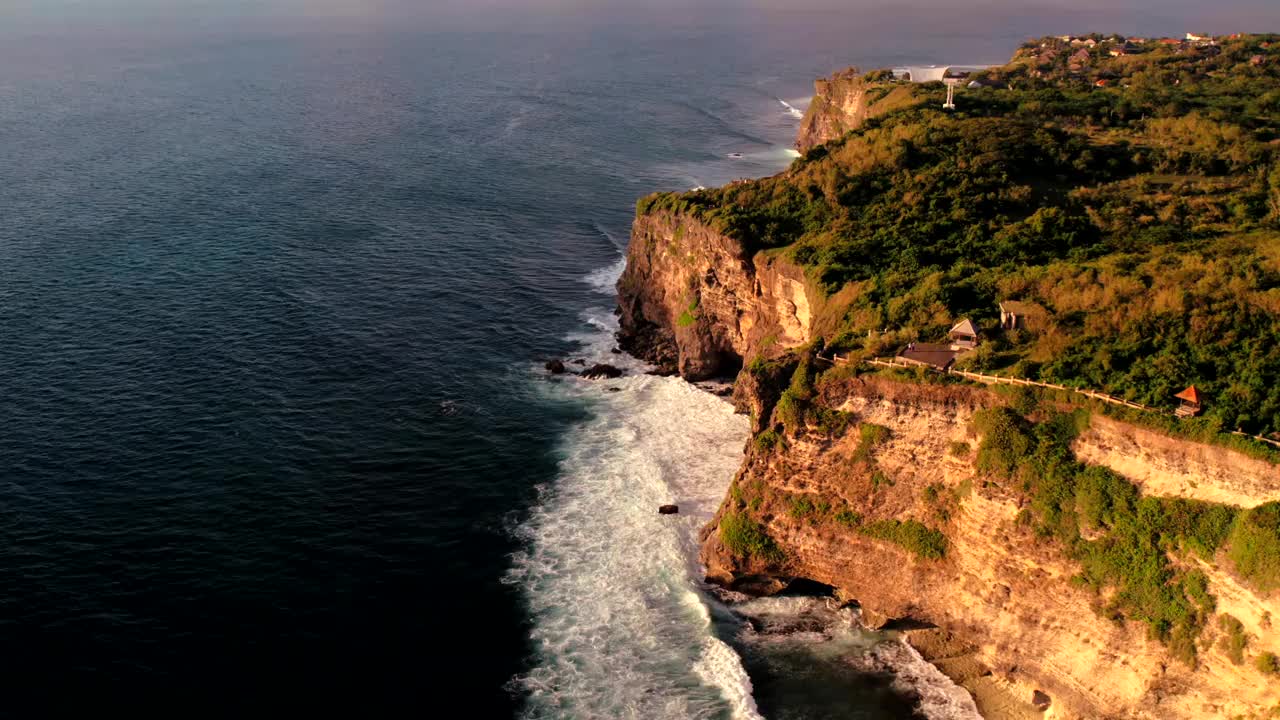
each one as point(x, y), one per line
point(822, 16)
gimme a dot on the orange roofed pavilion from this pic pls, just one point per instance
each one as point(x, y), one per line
point(1191, 402)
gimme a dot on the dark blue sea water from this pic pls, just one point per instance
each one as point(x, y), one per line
point(273, 297)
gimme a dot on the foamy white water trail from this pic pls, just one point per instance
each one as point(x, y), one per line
point(815, 637)
point(792, 110)
point(621, 627)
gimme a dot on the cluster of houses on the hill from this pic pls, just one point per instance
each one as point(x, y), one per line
point(1081, 51)
point(1121, 43)
point(965, 337)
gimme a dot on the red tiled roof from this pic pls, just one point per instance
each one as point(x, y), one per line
point(1191, 395)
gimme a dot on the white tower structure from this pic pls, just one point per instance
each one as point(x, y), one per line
point(950, 104)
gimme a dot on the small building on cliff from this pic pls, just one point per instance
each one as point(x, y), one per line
point(1020, 315)
point(933, 355)
point(1192, 402)
point(964, 336)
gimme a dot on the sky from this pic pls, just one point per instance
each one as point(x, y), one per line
point(1219, 16)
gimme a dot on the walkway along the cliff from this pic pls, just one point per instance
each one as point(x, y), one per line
point(1001, 380)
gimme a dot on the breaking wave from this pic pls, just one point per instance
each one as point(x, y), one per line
point(621, 625)
point(792, 110)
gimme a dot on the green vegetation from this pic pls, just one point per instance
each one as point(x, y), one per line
point(1123, 541)
point(802, 507)
point(746, 538)
point(1255, 546)
point(910, 534)
point(768, 440)
point(1142, 218)
point(794, 403)
point(960, 449)
point(878, 478)
point(1267, 663)
point(848, 518)
point(690, 314)
point(870, 435)
point(797, 410)
point(1234, 640)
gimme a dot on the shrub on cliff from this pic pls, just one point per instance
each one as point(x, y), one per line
point(870, 435)
point(768, 440)
point(1255, 546)
point(747, 539)
point(1234, 639)
point(1006, 440)
point(913, 535)
point(793, 404)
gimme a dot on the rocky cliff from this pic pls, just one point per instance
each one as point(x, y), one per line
point(843, 102)
point(1012, 625)
point(876, 491)
point(694, 302)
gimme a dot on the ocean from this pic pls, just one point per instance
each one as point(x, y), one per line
point(275, 295)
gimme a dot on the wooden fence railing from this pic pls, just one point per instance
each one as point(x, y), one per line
point(1002, 380)
point(1259, 438)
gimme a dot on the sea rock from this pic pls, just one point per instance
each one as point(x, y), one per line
point(601, 370)
point(555, 367)
point(668, 509)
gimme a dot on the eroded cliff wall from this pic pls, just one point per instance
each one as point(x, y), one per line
point(1001, 591)
point(1161, 465)
point(694, 302)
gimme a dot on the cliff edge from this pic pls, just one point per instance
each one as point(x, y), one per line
point(844, 102)
point(878, 488)
point(694, 302)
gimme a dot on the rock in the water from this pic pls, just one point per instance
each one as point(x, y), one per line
point(616, 351)
point(615, 389)
point(579, 361)
point(668, 509)
point(1040, 700)
point(555, 367)
point(601, 370)
point(719, 390)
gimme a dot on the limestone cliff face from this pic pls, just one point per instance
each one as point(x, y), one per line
point(1162, 465)
point(693, 302)
point(999, 592)
point(843, 102)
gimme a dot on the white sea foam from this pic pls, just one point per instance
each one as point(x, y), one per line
point(792, 110)
point(605, 280)
point(940, 699)
point(621, 627)
point(828, 633)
